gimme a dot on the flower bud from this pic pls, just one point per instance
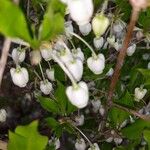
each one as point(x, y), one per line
point(117, 46)
point(50, 74)
point(18, 55)
point(98, 42)
point(118, 26)
point(118, 141)
point(79, 120)
point(100, 24)
point(3, 115)
point(111, 41)
point(46, 50)
point(76, 68)
point(85, 29)
point(81, 11)
point(80, 144)
point(19, 76)
point(110, 72)
point(109, 140)
point(131, 50)
point(139, 93)
point(96, 105)
point(46, 87)
point(94, 147)
point(78, 54)
point(96, 65)
point(79, 95)
point(35, 57)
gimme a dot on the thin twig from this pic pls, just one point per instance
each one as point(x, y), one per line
point(4, 56)
point(133, 112)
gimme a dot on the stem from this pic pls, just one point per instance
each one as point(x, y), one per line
point(49, 64)
point(121, 57)
point(37, 74)
point(90, 143)
point(104, 6)
point(72, 44)
point(56, 58)
point(144, 117)
point(42, 71)
point(77, 36)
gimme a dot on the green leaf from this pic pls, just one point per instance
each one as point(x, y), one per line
point(126, 100)
point(23, 138)
point(117, 116)
point(53, 22)
point(49, 104)
point(135, 130)
point(52, 122)
point(12, 21)
point(146, 74)
point(147, 136)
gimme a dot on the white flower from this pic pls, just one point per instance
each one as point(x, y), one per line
point(146, 56)
point(111, 40)
point(100, 24)
point(148, 66)
point(46, 54)
point(118, 26)
point(117, 46)
point(50, 74)
point(46, 87)
point(96, 65)
point(101, 110)
point(68, 28)
point(79, 120)
point(78, 54)
point(35, 57)
point(110, 72)
point(98, 42)
point(19, 76)
point(118, 141)
point(18, 55)
point(76, 68)
point(78, 96)
point(96, 105)
point(139, 93)
point(81, 10)
point(94, 147)
point(85, 29)
point(131, 49)
point(3, 115)
point(80, 144)
point(109, 140)
point(56, 142)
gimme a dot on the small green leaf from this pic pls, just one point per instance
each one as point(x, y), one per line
point(23, 137)
point(147, 136)
point(53, 22)
point(146, 74)
point(12, 21)
point(135, 130)
point(52, 122)
point(49, 104)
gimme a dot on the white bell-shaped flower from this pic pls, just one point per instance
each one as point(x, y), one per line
point(96, 65)
point(94, 147)
point(18, 55)
point(79, 120)
point(118, 26)
point(50, 74)
point(56, 142)
point(100, 24)
point(148, 66)
point(80, 144)
point(81, 10)
point(117, 140)
point(78, 54)
point(46, 87)
point(46, 50)
point(98, 42)
point(109, 139)
point(110, 72)
point(76, 68)
point(19, 76)
point(131, 49)
point(96, 105)
point(65, 56)
point(117, 46)
point(111, 41)
point(3, 115)
point(68, 28)
point(85, 29)
point(139, 93)
point(79, 95)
